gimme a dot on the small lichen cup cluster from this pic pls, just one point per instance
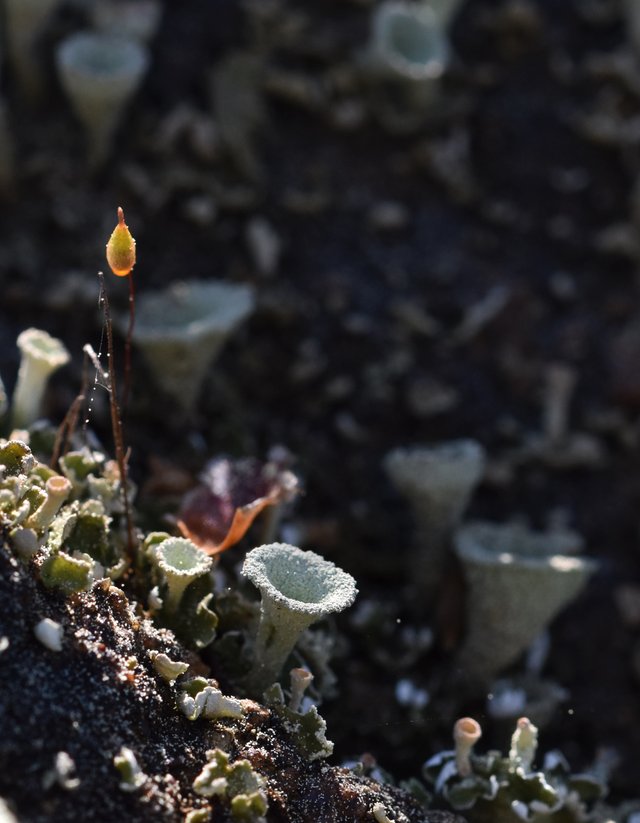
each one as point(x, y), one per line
point(492, 787)
point(63, 520)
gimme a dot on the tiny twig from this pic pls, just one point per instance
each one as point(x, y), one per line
point(116, 422)
point(67, 428)
point(127, 344)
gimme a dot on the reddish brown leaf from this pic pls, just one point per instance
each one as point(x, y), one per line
point(217, 513)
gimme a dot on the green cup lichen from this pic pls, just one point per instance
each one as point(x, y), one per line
point(298, 588)
point(466, 733)
point(100, 73)
point(41, 355)
point(517, 580)
point(15, 458)
point(308, 730)
point(69, 574)
point(407, 56)
point(167, 668)
point(524, 743)
point(437, 482)
point(79, 465)
point(181, 562)
point(498, 789)
point(181, 330)
point(57, 491)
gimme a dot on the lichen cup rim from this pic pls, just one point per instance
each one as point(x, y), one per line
point(450, 460)
point(334, 588)
point(386, 51)
point(155, 323)
point(172, 552)
point(43, 347)
point(495, 544)
point(106, 57)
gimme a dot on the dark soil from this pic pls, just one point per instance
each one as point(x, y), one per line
point(69, 700)
point(359, 324)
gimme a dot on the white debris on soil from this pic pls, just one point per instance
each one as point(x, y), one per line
point(49, 633)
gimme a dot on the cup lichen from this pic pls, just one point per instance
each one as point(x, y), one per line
point(517, 580)
point(100, 73)
point(298, 588)
point(408, 53)
point(181, 563)
point(437, 482)
point(181, 330)
point(508, 789)
point(57, 490)
point(466, 733)
point(40, 355)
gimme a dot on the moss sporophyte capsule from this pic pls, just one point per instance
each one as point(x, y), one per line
point(121, 248)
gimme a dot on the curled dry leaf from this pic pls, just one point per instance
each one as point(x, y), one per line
point(232, 493)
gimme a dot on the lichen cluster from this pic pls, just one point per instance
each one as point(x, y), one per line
point(510, 789)
point(65, 519)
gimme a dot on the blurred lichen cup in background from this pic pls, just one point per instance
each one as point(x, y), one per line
point(181, 330)
point(25, 20)
point(517, 580)
point(298, 588)
point(41, 355)
point(407, 55)
point(100, 73)
point(437, 482)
